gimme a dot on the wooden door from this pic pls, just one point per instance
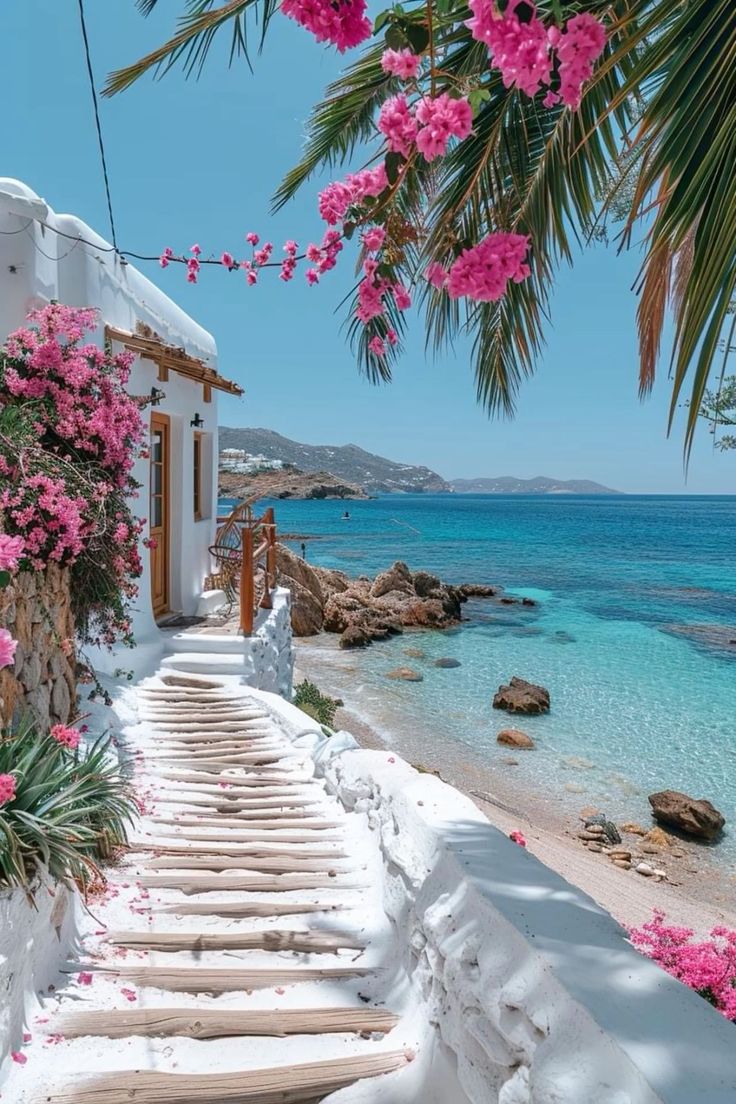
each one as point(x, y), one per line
point(160, 513)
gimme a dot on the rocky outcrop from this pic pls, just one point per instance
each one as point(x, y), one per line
point(365, 609)
point(407, 674)
point(695, 816)
point(446, 662)
point(514, 737)
point(520, 696)
point(287, 484)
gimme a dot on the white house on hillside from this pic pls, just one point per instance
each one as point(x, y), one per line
point(44, 257)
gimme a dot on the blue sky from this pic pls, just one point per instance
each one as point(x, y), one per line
point(198, 161)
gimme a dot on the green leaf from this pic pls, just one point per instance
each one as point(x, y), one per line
point(394, 161)
point(381, 20)
point(477, 97)
point(418, 37)
point(4, 579)
point(395, 38)
point(348, 229)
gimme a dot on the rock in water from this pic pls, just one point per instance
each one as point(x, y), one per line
point(408, 674)
point(514, 737)
point(520, 696)
point(354, 637)
point(696, 816)
point(447, 663)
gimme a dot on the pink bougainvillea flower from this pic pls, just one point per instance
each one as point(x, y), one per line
point(252, 238)
point(341, 22)
point(441, 118)
point(402, 298)
point(19, 1057)
point(227, 260)
point(400, 63)
point(436, 274)
point(84, 978)
point(708, 967)
point(377, 346)
point(7, 788)
point(579, 47)
point(392, 337)
point(374, 238)
point(520, 50)
point(312, 276)
point(129, 994)
point(482, 272)
point(397, 123)
point(195, 250)
point(7, 648)
point(517, 837)
point(68, 737)
point(166, 256)
point(11, 550)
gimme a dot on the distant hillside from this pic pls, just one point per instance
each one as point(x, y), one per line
point(286, 484)
point(508, 484)
point(348, 462)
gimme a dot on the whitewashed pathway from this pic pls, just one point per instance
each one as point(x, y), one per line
point(240, 952)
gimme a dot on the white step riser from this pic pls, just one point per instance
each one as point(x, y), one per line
point(210, 663)
point(202, 642)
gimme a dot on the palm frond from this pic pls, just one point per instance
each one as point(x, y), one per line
point(191, 44)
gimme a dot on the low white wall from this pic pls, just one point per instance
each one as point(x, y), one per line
point(35, 937)
point(269, 653)
point(530, 984)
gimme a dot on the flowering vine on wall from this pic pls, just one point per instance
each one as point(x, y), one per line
point(420, 112)
point(69, 436)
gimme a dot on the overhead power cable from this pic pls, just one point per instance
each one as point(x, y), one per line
point(98, 124)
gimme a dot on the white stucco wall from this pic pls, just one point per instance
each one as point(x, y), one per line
point(263, 660)
point(37, 265)
point(533, 990)
point(35, 937)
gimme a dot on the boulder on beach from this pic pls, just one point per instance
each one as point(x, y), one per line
point(447, 662)
point(398, 578)
point(514, 737)
point(354, 637)
point(695, 816)
point(408, 674)
point(520, 696)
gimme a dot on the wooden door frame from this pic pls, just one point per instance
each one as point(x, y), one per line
point(162, 422)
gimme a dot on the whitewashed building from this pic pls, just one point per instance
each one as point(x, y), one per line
point(46, 256)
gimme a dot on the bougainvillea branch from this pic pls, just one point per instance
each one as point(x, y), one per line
point(417, 126)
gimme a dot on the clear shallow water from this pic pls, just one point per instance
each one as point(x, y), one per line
point(635, 706)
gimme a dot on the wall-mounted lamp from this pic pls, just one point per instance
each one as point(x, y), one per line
point(156, 396)
point(197, 422)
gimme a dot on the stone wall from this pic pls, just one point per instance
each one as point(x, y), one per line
point(36, 609)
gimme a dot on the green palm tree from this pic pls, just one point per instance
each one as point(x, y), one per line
point(654, 141)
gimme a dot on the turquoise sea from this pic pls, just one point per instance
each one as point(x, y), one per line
point(634, 636)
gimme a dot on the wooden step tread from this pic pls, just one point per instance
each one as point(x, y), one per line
point(198, 1023)
point(240, 883)
point(271, 864)
point(275, 939)
point(295, 1084)
point(200, 979)
point(243, 910)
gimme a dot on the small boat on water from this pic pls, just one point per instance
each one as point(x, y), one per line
point(345, 516)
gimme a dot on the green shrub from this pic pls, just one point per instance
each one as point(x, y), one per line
point(316, 704)
point(69, 810)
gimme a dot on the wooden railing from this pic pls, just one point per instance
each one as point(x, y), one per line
point(245, 551)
